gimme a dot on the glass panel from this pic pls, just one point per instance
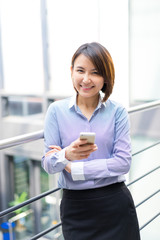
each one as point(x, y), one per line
point(113, 30)
point(147, 234)
point(50, 204)
point(22, 46)
point(69, 25)
point(21, 222)
point(21, 106)
point(145, 131)
point(144, 50)
point(21, 175)
point(141, 164)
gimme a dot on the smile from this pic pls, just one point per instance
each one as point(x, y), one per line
point(86, 88)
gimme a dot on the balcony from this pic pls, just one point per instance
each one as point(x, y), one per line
point(143, 181)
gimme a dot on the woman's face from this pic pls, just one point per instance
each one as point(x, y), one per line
point(85, 77)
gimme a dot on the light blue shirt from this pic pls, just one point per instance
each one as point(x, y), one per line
point(107, 165)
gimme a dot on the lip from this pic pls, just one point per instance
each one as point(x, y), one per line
point(86, 88)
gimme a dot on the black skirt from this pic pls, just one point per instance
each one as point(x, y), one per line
point(106, 213)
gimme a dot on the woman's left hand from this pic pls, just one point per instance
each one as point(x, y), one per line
point(57, 149)
point(54, 149)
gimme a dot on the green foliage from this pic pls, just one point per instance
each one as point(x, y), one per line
point(19, 199)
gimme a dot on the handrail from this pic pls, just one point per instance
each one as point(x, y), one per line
point(25, 138)
point(146, 174)
point(153, 218)
point(33, 199)
point(27, 202)
point(146, 199)
point(145, 106)
point(41, 234)
point(146, 148)
point(21, 139)
point(14, 141)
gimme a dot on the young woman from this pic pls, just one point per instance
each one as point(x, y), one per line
point(96, 204)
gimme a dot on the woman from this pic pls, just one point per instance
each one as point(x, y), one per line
point(96, 204)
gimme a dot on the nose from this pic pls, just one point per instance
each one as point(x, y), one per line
point(86, 78)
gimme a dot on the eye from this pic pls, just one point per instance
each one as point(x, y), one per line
point(80, 70)
point(95, 73)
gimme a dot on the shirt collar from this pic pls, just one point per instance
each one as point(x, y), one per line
point(73, 102)
point(100, 102)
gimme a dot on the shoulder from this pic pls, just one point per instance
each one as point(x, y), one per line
point(115, 106)
point(119, 113)
point(57, 108)
point(116, 110)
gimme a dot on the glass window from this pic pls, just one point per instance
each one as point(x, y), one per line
point(21, 106)
point(69, 25)
point(144, 50)
point(50, 204)
point(21, 175)
point(22, 46)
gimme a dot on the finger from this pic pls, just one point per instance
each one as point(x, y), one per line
point(82, 142)
point(84, 156)
point(88, 147)
point(79, 142)
point(55, 147)
point(50, 152)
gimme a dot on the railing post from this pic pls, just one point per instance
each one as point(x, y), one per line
point(36, 190)
point(4, 182)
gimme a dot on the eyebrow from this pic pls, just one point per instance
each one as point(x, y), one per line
point(79, 67)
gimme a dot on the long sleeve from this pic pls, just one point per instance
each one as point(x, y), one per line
point(120, 159)
point(63, 123)
point(55, 162)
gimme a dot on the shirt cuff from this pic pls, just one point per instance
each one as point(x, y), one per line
point(61, 157)
point(77, 171)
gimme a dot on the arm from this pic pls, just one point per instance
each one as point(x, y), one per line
point(58, 159)
point(77, 150)
point(120, 157)
point(55, 161)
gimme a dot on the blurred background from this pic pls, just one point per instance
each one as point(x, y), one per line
point(37, 41)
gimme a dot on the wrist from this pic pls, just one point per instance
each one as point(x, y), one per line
point(68, 168)
point(66, 154)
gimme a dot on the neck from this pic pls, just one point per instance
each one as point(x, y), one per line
point(90, 103)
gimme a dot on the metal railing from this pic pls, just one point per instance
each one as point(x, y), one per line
point(18, 140)
point(22, 139)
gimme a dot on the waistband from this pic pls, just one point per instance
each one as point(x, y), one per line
point(93, 192)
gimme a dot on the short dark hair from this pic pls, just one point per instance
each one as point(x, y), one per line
point(101, 59)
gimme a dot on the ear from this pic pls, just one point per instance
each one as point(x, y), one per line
point(71, 68)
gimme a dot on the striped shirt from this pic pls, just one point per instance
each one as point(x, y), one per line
point(63, 123)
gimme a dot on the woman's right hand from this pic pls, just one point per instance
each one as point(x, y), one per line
point(79, 149)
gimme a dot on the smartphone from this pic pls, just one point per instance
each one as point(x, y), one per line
point(90, 136)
